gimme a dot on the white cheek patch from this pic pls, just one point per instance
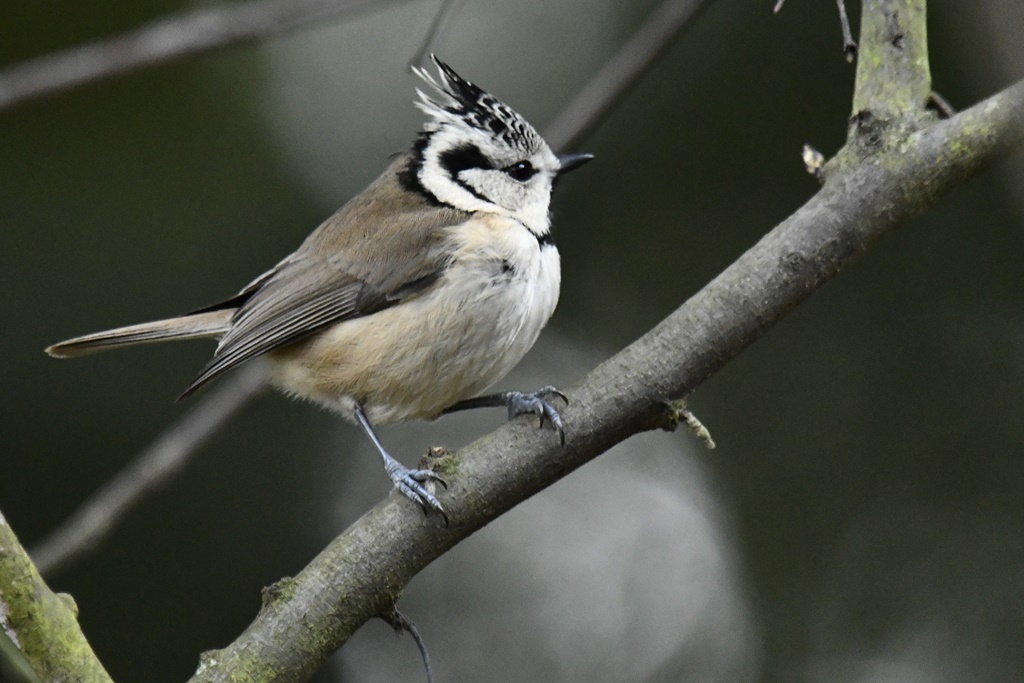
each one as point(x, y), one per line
point(496, 187)
point(437, 181)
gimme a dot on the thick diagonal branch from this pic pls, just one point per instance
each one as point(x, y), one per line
point(362, 572)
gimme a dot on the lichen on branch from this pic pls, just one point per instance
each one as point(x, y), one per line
point(43, 625)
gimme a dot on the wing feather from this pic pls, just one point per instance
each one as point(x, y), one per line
point(369, 256)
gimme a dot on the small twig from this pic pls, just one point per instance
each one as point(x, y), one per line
point(400, 623)
point(698, 428)
point(849, 45)
point(677, 412)
point(620, 73)
point(164, 458)
point(168, 39)
point(941, 105)
point(443, 13)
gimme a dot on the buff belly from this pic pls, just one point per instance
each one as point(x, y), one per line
point(421, 356)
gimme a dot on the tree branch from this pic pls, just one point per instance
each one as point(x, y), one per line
point(362, 572)
point(41, 624)
point(167, 39)
point(893, 79)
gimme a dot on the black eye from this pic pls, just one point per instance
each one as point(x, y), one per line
point(522, 171)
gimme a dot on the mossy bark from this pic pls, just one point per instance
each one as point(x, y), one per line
point(43, 625)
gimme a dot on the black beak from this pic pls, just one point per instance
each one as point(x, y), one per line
point(570, 162)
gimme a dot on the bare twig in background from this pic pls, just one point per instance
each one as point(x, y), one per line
point(164, 458)
point(941, 105)
point(400, 623)
point(96, 518)
point(444, 12)
point(620, 73)
point(849, 46)
point(168, 39)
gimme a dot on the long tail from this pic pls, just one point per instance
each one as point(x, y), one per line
point(195, 326)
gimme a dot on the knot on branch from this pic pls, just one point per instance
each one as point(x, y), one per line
point(209, 659)
point(792, 264)
point(277, 592)
point(868, 131)
point(874, 132)
point(892, 23)
point(439, 459)
point(69, 602)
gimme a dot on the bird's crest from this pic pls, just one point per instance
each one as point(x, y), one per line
point(464, 104)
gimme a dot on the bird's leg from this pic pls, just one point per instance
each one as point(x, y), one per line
point(409, 482)
point(520, 403)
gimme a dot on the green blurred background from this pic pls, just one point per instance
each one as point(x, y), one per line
point(867, 489)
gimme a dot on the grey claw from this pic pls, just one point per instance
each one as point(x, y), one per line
point(410, 483)
point(535, 403)
point(554, 392)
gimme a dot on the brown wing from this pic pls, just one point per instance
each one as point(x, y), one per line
point(383, 247)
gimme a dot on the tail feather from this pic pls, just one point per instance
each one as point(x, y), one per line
point(195, 326)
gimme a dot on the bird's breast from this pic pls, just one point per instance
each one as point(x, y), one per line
point(466, 332)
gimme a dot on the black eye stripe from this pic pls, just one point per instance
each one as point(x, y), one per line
point(462, 158)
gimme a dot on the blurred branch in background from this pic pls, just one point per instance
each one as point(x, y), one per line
point(444, 12)
point(620, 73)
point(168, 39)
point(849, 44)
point(96, 518)
point(883, 177)
point(164, 458)
point(43, 625)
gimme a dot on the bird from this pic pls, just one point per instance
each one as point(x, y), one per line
point(419, 293)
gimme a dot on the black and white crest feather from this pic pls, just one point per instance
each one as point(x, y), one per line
point(466, 104)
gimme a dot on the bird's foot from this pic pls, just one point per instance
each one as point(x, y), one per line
point(413, 485)
point(537, 403)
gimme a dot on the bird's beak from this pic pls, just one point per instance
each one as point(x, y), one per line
point(571, 162)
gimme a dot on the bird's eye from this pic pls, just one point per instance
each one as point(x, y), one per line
point(521, 171)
